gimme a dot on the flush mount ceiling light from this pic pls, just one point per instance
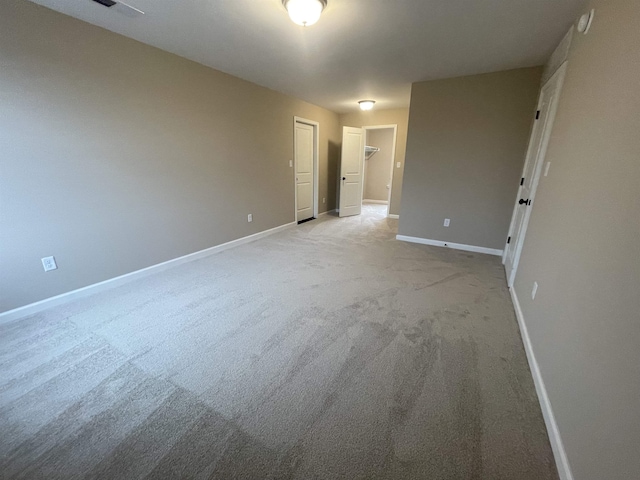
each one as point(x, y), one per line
point(366, 104)
point(584, 23)
point(304, 12)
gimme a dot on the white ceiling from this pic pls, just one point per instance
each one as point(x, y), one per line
point(359, 48)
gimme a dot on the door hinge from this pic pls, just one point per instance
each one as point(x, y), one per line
point(522, 181)
point(509, 240)
point(537, 114)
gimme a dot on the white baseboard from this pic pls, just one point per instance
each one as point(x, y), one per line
point(562, 463)
point(32, 308)
point(456, 246)
point(393, 215)
point(328, 211)
point(379, 202)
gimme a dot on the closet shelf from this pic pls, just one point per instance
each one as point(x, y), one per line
point(369, 151)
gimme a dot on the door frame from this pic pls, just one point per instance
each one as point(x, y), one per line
point(316, 169)
point(558, 78)
point(394, 127)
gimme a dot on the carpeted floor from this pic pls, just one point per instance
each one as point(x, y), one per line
point(328, 351)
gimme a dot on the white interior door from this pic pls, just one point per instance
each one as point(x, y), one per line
point(547, 106)
point(351, 171)
point(304, 151)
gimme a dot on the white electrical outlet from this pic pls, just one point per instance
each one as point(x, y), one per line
point(534, 291)
point(398, 164)
point(250, 218)
point(324, 200)
point(447, 222)
point(49, 263)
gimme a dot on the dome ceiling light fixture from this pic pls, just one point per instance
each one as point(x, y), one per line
point(304, 12)
point(366, 104)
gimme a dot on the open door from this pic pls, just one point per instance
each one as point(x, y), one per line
point(351, 171)
point(547, 106)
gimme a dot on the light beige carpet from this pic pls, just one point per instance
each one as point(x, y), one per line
point(328, 351)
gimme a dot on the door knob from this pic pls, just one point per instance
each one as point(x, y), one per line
point(522, 201)
point(344, 178)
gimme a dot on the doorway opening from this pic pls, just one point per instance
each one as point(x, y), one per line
point(380, 154)
point(306, 134)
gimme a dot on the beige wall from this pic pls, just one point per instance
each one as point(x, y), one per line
point(377, 174)
point(465, 151)
point(399, 117)
point(116, 155)
point(583, 249)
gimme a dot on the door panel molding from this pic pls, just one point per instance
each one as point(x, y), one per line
point(315, 168)
point(351, 171)
point(536, 152)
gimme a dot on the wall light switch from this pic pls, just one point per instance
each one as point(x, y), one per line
point(324, 200)
point(398, 164)
point(534, 291)
point(250, 218)
point(49, 263)
point(546, 169)
point(290, 163)
point(447, 222)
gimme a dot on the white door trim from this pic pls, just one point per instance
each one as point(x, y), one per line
point(316, 169)
point(557, 77)
point(393, 155)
